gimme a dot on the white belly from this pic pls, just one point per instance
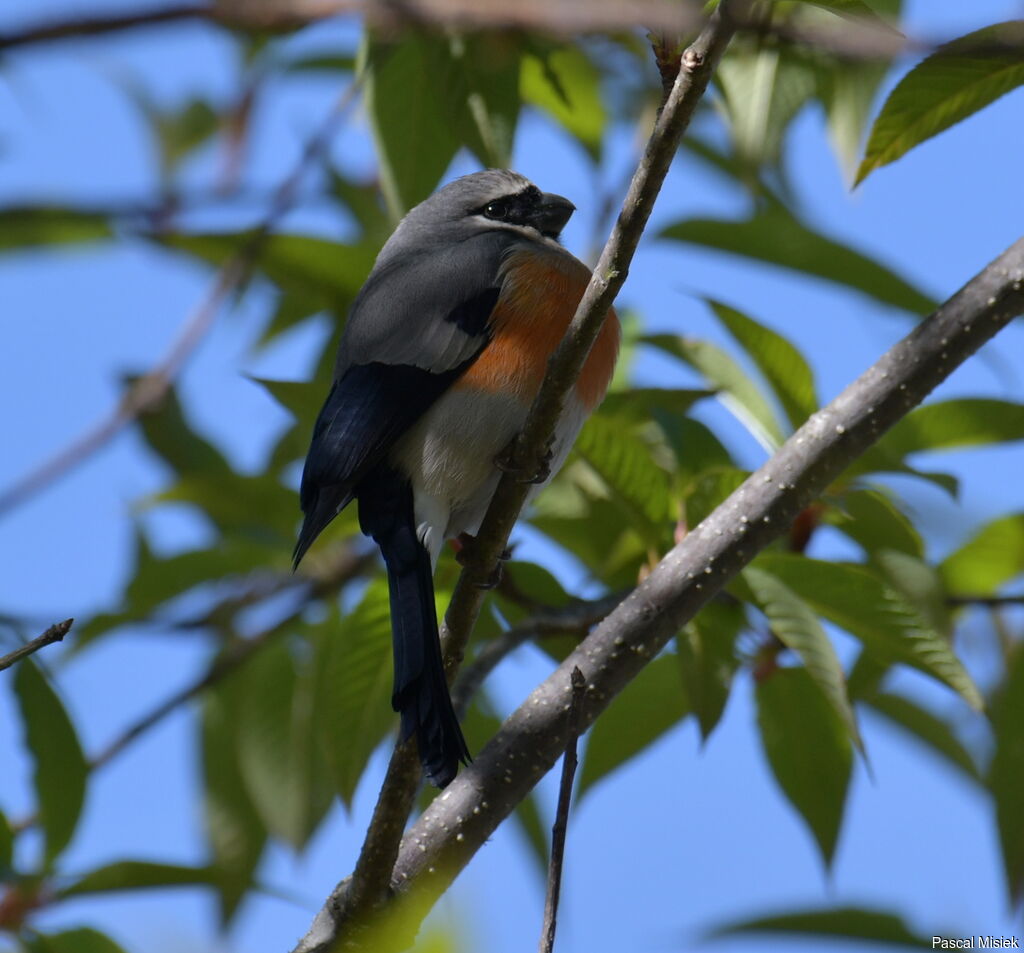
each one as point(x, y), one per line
point(449, 456)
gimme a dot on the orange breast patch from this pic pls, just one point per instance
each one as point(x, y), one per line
point(538, 299)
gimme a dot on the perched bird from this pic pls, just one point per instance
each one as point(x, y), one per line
point(445, 348)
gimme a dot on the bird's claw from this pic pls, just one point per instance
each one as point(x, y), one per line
point(466, 555)
point(505, 461)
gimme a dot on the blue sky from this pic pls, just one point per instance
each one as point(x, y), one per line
point(686, 837)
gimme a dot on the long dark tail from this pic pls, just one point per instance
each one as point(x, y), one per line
point(420, 691)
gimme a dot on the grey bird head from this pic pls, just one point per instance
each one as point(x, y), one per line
point(485, 201)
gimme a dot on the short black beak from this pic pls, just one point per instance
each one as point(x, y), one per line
point(551, 214)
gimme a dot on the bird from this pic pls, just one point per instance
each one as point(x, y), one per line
point(443, 352)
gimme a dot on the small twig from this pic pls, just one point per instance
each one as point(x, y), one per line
point(149, 390)
point(561, 825)
point(991, 601)
point(53, 634)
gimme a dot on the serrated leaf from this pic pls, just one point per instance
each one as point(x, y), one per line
point(856, 600)
point(80, 940)
point(874, 522)
point(954, 424)
point(846, 923)
point(651, 705)
point(783, 366)
point(809, 751)
point(24, 227)
point(60, 770)
point(775, 236)
point(920, 585)
point(277, 754)
point(625, 464)
point(710, 490)
point(1006, 775)
point(707, 658)
point(797, 627)
point(926, 728)
point(138, 875)
point(639, 404)
point(565, 84)
point(234, 831)
point(734, 386)
point(991, 558)
point(956, 81)
point(695, 447)
point(353, 688)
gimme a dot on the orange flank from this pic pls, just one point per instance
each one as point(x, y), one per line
point(538, 301)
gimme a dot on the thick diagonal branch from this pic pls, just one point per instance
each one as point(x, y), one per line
point(456, 825)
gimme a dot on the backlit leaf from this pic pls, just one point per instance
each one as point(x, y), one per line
point(991, 558)
point(564, 83)
point(1006, 775)
point(837, 923)
point(138, 875)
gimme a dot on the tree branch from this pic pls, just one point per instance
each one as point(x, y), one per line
point(149, 390)
point(369, 885)
point(54, 633)
point(458, 823)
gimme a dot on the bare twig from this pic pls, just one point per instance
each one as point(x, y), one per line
point(1016, 599)
point(564, 368)
point(459, 822)
point(149, 390)
point(561, 825)
point(53, 634)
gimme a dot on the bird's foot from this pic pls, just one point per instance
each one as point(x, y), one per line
point(466, 548)
point(505, 461)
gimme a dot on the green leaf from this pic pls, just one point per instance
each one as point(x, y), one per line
point(639, 404)
point(846, 923)
point(564, 83)
point(991, 558)
point(920, 585)
point(625, 464)
point(1006, 775)
point(24, 227)
point(429, 94)
point(6, 847)
point(797, 627)
point(169, 435)
point(60, 768)
point(695, 447)
point(80, 940)
point(926, 728)
point(855, 599)
point(277, 753)
point(808, 748)
point(783, 366)
point(735, 388)
point(776, 237)
point(709, 491)
point(855, 11)
point(353, 689)
point(707, 657)
point(138, 875)
point(182, 130)
point(956, 81)
point(873, 521)
point(651, 705)
point(953, 424)
point(234, 831)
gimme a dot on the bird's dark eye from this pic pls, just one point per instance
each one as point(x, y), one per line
point(496, 210)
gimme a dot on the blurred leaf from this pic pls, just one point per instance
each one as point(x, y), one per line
point(734, 386)
point(808, 748)
point(184, 129)
point(279, 759)
point(764, 88)
point(169, 435)
point(80, 940)
point(707, 658)
point(60, 768)
point(872, 520)
point(428, 94)
point(952, 424)
point(856, 600)
point(695, 447)
point(38, 226)
point(956, 81)
point(926, 728)
point(321, 63)
point(353, 688)
point(301, 264)
point(138, 875)
point(234, 831)
point(783, 366)
point(992, 557)
point(920, 585)
point(1006, 775)
point(796, 626)
point(838, 923)
point(639, 404)
point(564, 83)
point(855, 10)
point(624, 463)
point(709, 491)
point(302, 399)
point(6, 847)
point(776, 237)
point(650, 705)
